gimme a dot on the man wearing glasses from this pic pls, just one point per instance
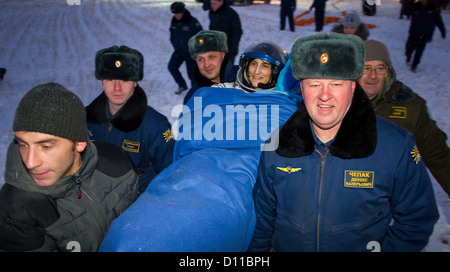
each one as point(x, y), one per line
point(395, 101)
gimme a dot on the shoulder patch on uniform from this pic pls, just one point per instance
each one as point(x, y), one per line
point(168, 135)
point(416, 155)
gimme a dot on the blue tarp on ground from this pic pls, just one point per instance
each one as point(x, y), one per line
point(203, 201)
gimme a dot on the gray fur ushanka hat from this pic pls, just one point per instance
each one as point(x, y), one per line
point(122, 63)
point(330, 56)
point(207, 41)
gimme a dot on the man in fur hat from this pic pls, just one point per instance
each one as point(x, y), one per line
point(341, 179)
point(210, 51)
point(120, 115)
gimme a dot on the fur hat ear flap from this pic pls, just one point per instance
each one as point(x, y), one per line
point(331, 56)
point(122, 63)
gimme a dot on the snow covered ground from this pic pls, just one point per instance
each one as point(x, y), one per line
point(50, 40)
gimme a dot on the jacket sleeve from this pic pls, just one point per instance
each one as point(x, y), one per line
point(440, 23)
point(432, 143)
point(196, 27)
point(413, 205)
point(161, 152)
point(265, 203)
point(23, 215)
point(235, 33)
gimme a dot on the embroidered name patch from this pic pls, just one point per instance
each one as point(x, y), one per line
point(130, 146)
point(358, 179)
point(398, 112)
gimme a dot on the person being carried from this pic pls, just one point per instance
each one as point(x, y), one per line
point(259, 67)
point(120, 114)
point(61, 191)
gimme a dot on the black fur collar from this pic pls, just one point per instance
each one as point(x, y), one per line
point(130, 116)
point(356, 138)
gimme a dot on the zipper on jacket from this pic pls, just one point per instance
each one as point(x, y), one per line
point(319, 198)
point(82, 191)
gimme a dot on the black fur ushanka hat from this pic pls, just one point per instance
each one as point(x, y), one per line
point(122, 63)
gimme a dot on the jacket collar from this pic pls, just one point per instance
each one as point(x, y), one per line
point(394, 91)
point(128, 118)
point(356, 138)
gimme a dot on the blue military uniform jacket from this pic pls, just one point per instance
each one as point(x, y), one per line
point(182, 30)
point(138, 129)
point(368, 186)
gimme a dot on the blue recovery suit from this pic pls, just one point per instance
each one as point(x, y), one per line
point(203, 201)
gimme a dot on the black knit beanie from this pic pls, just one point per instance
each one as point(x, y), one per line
point(52, 109)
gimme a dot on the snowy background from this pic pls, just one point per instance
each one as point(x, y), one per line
point(50, 40)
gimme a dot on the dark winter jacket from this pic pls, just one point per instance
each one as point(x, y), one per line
point(74, 213)
point(227, 20)
point(288, 5)
point(138, 129)
point(398, 103)
point(227, 74)
point(182, 30)
point(423, 21)
point(366, 186)
point(362, 31)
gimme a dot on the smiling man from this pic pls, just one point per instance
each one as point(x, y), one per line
point(62, 192)
point(355, 172)
point(394, 100)
point(210, 51)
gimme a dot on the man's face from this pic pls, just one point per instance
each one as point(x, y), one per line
point(118, 92)
point(327, 101)
point(259, 71)
point(373, 78)
point(209, 64)
point(216, 4)
point(49, 158)
point(178, 16)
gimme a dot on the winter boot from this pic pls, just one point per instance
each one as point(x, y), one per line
point(2, 73)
